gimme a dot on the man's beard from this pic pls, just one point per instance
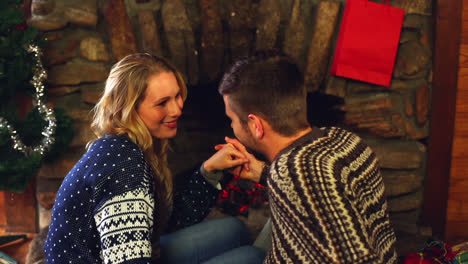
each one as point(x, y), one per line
point(251, 145)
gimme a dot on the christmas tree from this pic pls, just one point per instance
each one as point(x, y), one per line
point(43, 134)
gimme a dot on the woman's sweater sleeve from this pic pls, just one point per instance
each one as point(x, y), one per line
point(125, 223)
point(193, 200)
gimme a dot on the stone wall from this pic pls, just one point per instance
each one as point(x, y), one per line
point(85, 37)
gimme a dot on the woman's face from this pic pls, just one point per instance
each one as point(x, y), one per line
point(162, 105)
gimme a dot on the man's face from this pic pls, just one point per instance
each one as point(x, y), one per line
point(241, 131)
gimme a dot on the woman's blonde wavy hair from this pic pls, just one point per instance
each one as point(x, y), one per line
point(116, 111)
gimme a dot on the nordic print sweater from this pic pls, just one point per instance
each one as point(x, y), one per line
point(106, 212)
point(327, 202)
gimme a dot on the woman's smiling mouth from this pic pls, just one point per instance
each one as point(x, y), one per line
point(172, 124)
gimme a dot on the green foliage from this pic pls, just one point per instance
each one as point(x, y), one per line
point(15, 168)
point(16, 63)
point(32, 123)
point(16, 171)
point(16, 72)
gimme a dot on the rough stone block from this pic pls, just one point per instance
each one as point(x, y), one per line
point(91, 93)
point(401, 182)
point(400, 159)
point(52, 21)
point(212, 39)
point(407, 228)
point(123, 40)
point(412, 216)
point(44, 217)
point(48, 185)
point(180, 39)
point(294, 38)
point(83, 134)
point(403, 86)
point(367, 121)
point(422, 104)
point(42, 7)
point(150, 40)
point(363, 87)
point(76, 72)
point(51, 15)
point(268, 21)
point(426, 40)
point(73, 106)
point(320, 44)
point(385, 129)
point(366, 105)
point(397, 154)
point(413, 132)
point(82, 12)
point(62, 90)
point(374, 116)
point(241, 42)
point(413, 21)
point(241, 14)
point(61, 50)
point(407, 36)
point(94, 49)
point(240, 19)
point(134, 7)
point(422, 7)
point(192, 8)
point(59, 169)
point(409, 107)
point(406, 202)
point(412, 61)
point(46, 199)
point(336, 86)
point(286, 7)
point(399, 85)
point(399, 123)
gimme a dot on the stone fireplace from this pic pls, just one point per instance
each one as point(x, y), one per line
point(86, 37)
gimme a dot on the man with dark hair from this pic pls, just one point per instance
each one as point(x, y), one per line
point(325, 190)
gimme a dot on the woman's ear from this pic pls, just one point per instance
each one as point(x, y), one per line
point(256, 124)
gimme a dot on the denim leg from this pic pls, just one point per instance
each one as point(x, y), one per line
point(263, 240)
point(203, 241)
point(244, 255)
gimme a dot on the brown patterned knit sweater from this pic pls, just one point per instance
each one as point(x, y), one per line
point(327, 202)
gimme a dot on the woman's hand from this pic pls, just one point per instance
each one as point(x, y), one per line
point(226, 157)
point(251, 170)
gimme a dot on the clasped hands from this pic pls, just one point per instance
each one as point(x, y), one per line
point(234, 157)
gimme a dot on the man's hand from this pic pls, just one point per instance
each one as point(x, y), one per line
point(226, 157)
point(251, 170)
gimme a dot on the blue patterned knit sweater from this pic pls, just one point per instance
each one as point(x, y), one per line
point(105, 210)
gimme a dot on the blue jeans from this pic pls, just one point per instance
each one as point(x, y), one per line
point(223, 240)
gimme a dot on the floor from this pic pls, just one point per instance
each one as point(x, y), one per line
point(405, 243)
point(254, 221)
point(258, 216)
point(18, 251)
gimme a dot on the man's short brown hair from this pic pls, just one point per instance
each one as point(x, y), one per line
point(270, 85)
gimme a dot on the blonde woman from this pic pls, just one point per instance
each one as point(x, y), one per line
point(118, 204)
